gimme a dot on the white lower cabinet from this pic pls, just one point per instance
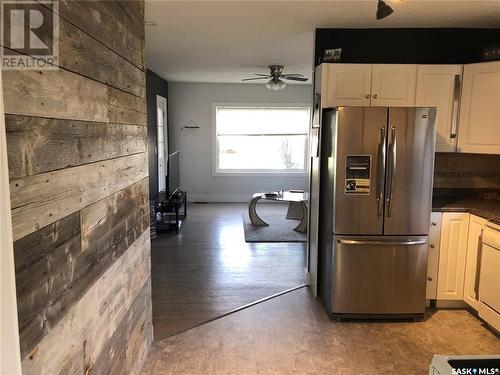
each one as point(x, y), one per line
point(465, 266)
point(474, 243)
point(452, 255)
point(489, 278)
point(433, 256)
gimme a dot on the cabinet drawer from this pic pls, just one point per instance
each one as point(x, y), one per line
point(491, 235)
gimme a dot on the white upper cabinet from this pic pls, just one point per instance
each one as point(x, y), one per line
point(349, 85)
point(479, 128)
point(439, 86)
point(393, 85)
point(452, 256)
point(363, 85)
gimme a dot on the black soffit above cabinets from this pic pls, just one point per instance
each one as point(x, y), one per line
point(407, 45)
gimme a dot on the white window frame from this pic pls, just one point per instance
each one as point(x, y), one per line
point(255, 172)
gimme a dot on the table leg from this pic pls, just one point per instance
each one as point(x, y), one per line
point(294, 211)
point(185, 206)
point(176, 218)
point(302, 227)
point(252, 213)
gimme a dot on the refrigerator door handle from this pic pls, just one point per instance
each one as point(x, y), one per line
point(380, 172)
point(382, 243)
point(392, 174)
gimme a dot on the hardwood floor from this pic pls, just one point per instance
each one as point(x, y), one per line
point(292, 334)
point(208, 270)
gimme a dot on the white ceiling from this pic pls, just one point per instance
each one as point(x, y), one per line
point(225, 41)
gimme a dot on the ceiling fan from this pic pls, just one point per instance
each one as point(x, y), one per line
point(276, 77)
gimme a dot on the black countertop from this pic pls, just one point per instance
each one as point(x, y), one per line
point(488, 209)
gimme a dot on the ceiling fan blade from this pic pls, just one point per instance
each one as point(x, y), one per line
point(301, 79)
point(292, 75)
point(252, 79)
point(263, 75)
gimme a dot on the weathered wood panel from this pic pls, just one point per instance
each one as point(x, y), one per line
point(111, 225)
point(38, 144)
point(98, 21)
point(42, 199)
point(130, 13)
point(126, 108)
point(128, 345)
point(41, 262)
point(79, 193)
point(56, 265)
point(51, 93)
point(66, 95)
point(75, 343)
point(82, 54)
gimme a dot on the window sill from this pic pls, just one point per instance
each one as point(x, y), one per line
point(260, 174)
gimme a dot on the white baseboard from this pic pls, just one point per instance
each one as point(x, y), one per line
point(223, 198)
point(220, 198)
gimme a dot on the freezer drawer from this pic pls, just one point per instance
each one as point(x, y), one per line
point(378, 275)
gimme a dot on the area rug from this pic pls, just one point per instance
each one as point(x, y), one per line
point(280, 229)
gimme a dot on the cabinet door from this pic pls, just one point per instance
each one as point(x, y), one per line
point(439, 86)
point(471, 272)
point(393, 85)
point(433, 256)
point(452, 254)
point(349, 85)
point(480, 109)
point(489, 298)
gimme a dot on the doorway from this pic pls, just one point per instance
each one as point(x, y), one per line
point(162, 140)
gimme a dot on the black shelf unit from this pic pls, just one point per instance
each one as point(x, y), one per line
point(168, 213)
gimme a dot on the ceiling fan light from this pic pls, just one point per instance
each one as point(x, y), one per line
point(275, 85)
point(383, 10)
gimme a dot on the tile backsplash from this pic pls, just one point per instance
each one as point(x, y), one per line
point(466, 171)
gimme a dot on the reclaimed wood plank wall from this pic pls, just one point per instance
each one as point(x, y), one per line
point(78, 168)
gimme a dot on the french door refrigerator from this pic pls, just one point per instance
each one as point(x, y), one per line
point(375, 191)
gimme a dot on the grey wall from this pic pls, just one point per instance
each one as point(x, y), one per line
point(193, 101)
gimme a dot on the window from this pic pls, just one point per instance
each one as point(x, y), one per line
point(263, 139)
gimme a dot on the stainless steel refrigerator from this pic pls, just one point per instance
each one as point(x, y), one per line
point(375, 201)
